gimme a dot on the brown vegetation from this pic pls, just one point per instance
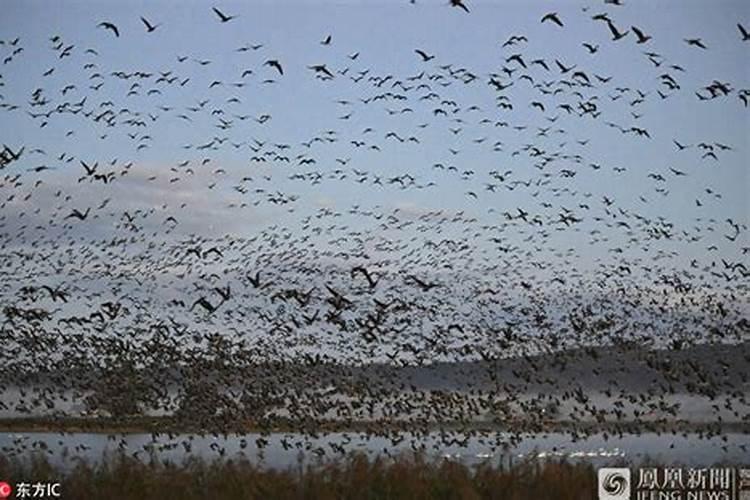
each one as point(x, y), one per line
point(407, 476)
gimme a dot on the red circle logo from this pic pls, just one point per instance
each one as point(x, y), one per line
point(5, 490)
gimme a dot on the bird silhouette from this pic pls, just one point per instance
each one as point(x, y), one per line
point(642, 37)
point(424, 55)
point(696, 42)
point(222, 17)
point(321, 68)
point(459, 4)
point(454, 253)
point(274, 64)
point(149, 27)
point(617, 35)
point(363, 271)
point(591, 48)
point(109, 26)
point(745, 34)
point(552, 17)
point(76, 214)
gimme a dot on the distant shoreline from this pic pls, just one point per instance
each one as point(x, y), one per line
point(149, 424)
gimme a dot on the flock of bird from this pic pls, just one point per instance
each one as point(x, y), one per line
point(246, 295)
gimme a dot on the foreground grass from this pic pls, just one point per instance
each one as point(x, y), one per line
point(407, 476)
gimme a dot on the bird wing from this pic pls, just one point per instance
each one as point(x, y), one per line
point(460, 4)
point(277, 65)
point(111, 27)
point(219, 13)
point(552, 17)
point(613, 29)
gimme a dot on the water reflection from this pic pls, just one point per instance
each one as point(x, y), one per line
point(291, 449)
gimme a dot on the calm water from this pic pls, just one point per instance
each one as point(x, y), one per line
point(288, 450)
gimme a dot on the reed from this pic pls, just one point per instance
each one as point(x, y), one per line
point(356, 476)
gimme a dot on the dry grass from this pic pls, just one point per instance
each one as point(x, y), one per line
point(408, 476)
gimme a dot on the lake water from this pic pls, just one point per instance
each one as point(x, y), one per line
point(290, 450)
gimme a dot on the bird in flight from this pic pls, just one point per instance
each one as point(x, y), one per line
point(696, 42)
point(321, 68)
point(553, 17)
point(424, 55)
point(591, 48)
point(109, 26)
point(460, 4)
point(372, 282)
point(223, 17)
point(642, 37)
point(149, 27)
point(274, 64)
point(743, 32)
point(77, 214)
point(423, 291)
point(616, 35)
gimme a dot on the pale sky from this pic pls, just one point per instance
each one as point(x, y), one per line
point(490, 160)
